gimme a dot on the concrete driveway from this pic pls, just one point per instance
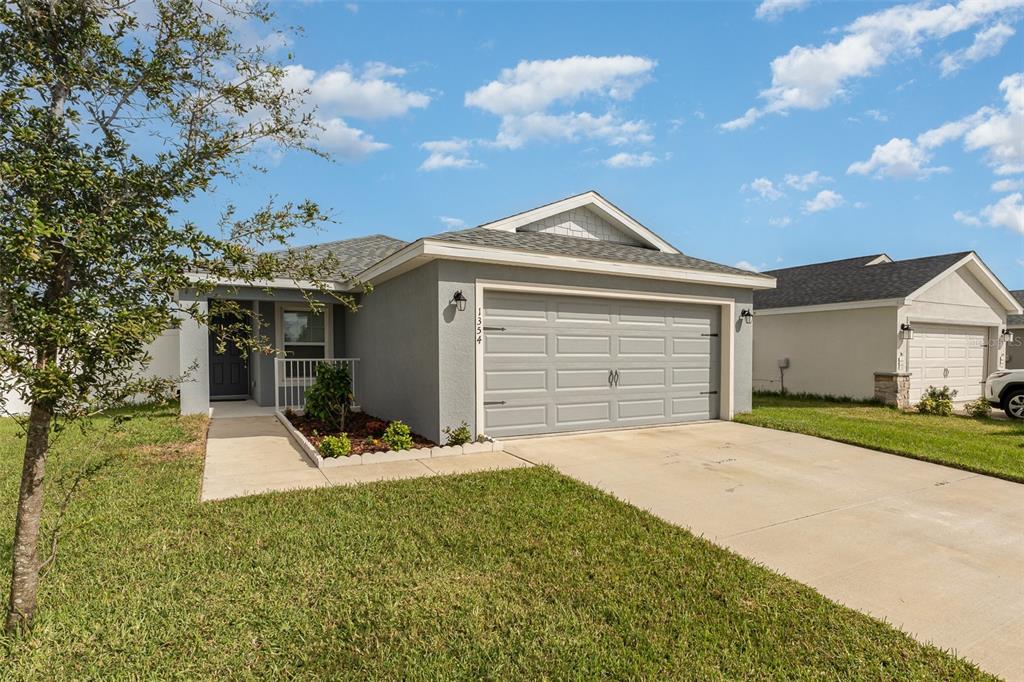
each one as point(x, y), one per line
point(936, 551)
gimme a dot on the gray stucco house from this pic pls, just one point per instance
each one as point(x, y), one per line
point(569, 316)
point(875, 327)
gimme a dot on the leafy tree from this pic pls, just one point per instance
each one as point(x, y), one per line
point(113, 113)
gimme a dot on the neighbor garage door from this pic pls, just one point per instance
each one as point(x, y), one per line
point(946, 355)
point(568, 363)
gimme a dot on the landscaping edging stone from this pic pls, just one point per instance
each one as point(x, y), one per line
point(322, 462)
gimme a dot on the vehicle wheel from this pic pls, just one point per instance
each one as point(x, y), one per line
point(1014, 404)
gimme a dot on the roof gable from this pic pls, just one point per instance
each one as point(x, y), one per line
point(581, 223)
point(873, 278)
point(614, 221)
point(1016, 320)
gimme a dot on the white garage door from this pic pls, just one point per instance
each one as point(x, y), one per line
point(568, 363)
point(946, 355)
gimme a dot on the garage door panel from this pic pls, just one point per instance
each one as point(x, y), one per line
point(641, 315)
point(517, 380)
point(519, 417)
point(570, 379)
point(516, 308)
point(642, 377)
point(641, 409)
point(640, 345)
point(667, 371)
point(583, 311)
point(686, 376)
point(591, 413)
point(516, 344)
point(567, 344)
point(691, 346)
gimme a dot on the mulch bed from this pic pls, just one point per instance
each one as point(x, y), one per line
point(364, 432)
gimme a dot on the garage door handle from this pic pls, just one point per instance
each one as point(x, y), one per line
point(709, 334)
point(494, 402)
point(616, 377)
point(611, 377)
point(494, 329)
point(709, 392)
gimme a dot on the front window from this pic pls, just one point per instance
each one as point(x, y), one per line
point(305, 337)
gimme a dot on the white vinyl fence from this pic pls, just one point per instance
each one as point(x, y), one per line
point(293, 376)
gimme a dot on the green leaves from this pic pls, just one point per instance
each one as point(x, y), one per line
point(108, 123)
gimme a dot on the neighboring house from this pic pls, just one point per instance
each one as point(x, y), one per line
point(874, 327)
point(1015, 324)
point(573, 316)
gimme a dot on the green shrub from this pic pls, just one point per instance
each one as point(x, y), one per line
point(330, 395)
point(457, 436)
point(397, 436)
point(937, 401)
point(335, 446)
point(978, 408)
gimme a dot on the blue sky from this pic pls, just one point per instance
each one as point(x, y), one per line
point(777, 134)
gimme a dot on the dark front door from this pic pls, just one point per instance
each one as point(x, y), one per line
point(229, 372)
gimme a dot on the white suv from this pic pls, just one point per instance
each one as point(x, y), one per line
point(1005, 389)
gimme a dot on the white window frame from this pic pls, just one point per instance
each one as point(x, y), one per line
point(328, 343)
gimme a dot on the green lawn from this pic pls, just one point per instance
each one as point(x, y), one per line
point(521, 574)
point(987, 446)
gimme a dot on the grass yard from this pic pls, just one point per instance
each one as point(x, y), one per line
point(987, 446)
point(521, 574)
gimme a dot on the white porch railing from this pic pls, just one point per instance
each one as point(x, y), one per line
point(293, 376)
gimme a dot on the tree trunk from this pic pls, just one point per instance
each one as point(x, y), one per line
point(25, 575)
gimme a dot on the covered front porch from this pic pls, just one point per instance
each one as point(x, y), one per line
point(236, 382)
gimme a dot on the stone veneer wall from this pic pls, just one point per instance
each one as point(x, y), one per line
point(893, 388)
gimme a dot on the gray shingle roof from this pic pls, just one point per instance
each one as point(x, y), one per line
point(560, 245)
point(845, 281)
point(356, 255)
point(1016, 320)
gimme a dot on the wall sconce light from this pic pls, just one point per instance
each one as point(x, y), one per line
point(906, 331)
point(747, 315)
point(1007, 336)
point(459, 299)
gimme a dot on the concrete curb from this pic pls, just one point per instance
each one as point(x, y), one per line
point(322, 462)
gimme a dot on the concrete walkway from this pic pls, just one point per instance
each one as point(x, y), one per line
point(252, 455)
point(936, 551)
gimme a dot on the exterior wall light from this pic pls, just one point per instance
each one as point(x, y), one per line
point(906, 331)
point(1007, 336)
point(747, 315)
point(459, 299)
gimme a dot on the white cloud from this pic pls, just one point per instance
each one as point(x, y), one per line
point(897, 158)
point(453, 153)
point(675, 124)
point(1007, 185)
point(814, 77)
point(352, 7)
point(771, 10)
point(747, 265)
point(533, 86)
point(524, 96)
point(515, 131)
point(452, 223)
point(780, 222)
point(349, 143)
point(825, 200)
point(966, 219)
point(987, 43)
point(625, 160)
point(1008, 212)
point(877, 115)
point(806, 181)
point(763, 187)
point(999, 133)
point(343, 92)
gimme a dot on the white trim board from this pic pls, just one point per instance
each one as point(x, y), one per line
point(727, 350)
point(425, 250)
point(826, 307)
